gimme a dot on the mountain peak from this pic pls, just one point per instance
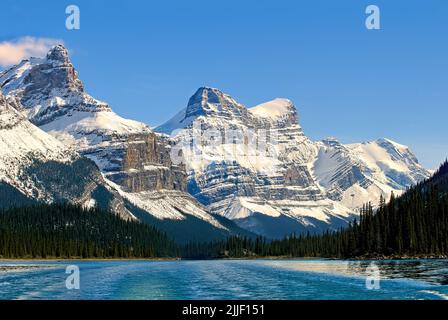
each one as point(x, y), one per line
point(391, 143)
point(331, 141)
point(212, 102)
point(49, 88)
point(58, 53)
point(207, 100)
point(274, 109)
point(207, 95)
point(206, 90)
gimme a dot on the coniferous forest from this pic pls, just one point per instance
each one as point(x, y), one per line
point(68, 231)
point(414, 224)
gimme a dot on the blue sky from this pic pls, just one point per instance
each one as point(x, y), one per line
point(146, 58)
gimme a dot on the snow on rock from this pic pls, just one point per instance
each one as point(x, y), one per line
point(274, 109)
point(21, 143)
point(177, 122)
point(54, 98)
point(167, 204)
point(206, 102)
point(239, 161)
point(358, 173)
point(297, 178)
point(236, 179)
point(131, 156)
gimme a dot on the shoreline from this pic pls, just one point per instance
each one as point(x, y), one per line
point(86, 259)
point(376, 258)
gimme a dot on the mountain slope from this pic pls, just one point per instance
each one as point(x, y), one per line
point(254, 167)
point(413, 224)
point(36, 167)
point(134, 161)
point(257, 167)
point(358, 173)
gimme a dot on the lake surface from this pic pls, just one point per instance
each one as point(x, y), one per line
point(227, 279)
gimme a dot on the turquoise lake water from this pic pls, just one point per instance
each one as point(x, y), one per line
point(226, 279)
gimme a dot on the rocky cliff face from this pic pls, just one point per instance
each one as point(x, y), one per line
point(147, 165)
point(53, 98)
point(134, 161)
point(244, 163)
point(48, 88)
point(257, 167)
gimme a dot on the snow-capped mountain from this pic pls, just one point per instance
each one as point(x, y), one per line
point(34, 166)
point(254, 166)
point(357, 173)
point(257, 167)
point(133, 160)
point(54, 99)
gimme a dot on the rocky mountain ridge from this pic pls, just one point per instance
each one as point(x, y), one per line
point(215, 158)
point(314, 185)
point(134, 161)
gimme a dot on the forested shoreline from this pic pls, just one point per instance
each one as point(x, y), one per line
point(414, 224)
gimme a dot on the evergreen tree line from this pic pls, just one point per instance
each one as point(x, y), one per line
point(69, 231)
point(414, 224)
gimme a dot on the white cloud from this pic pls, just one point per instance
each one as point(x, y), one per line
point(12, 52)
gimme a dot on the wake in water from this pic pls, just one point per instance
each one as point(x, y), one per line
point(225, 279)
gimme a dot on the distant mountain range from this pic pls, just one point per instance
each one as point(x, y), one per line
point(299, 185)
point(59, 144)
